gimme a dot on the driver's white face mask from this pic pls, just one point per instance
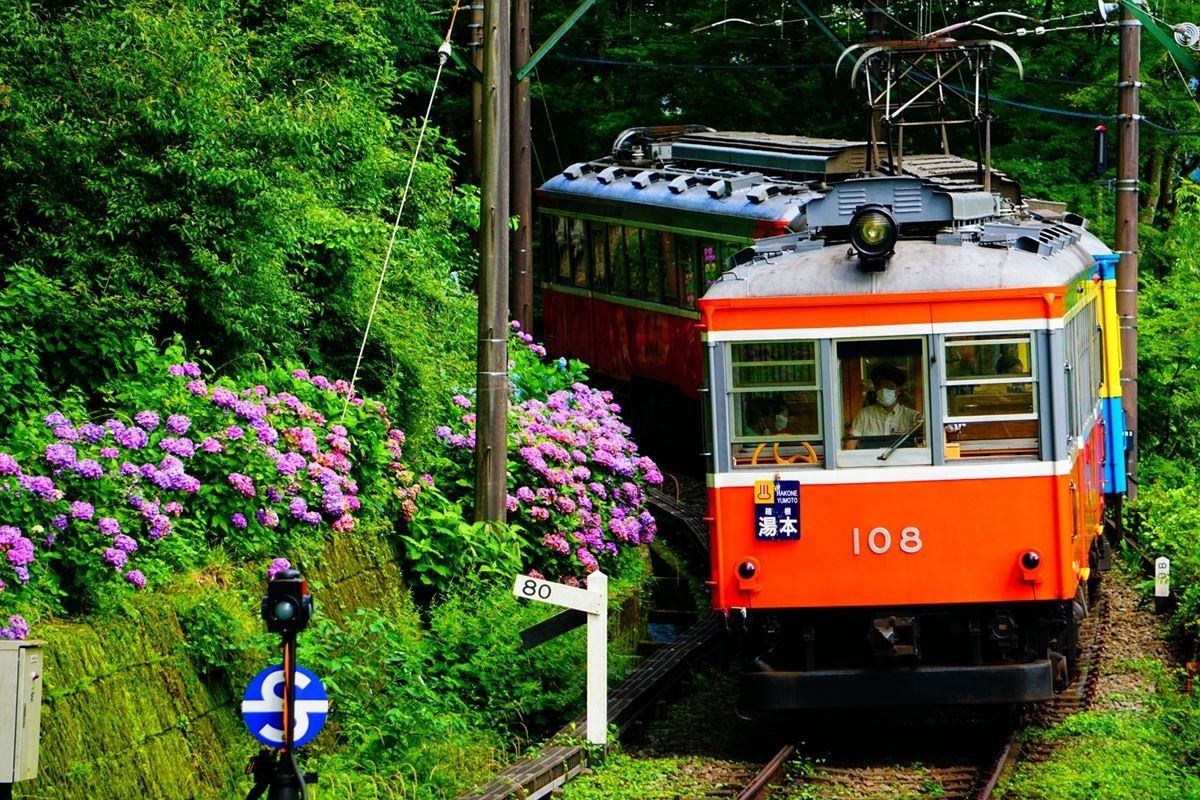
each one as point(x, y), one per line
point(781, 421)
point(887, 396)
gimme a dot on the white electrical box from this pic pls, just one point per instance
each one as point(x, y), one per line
point(21, 666)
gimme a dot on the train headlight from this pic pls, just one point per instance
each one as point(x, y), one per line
point(873, 234)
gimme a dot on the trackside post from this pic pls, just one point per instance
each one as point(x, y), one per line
point(592, 601)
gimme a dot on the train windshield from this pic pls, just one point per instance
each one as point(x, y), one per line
point(776, 402)
point(991, 395)
point(883, 385)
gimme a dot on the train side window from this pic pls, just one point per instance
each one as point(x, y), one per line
point(653, 263)
point(633, 252)
point(598, 239)
point(562, 250)
point(579, 253)
point(883, 384)
point(775, 403)
point(1082, 341)
point(670, 273)
point(687, 258)
point(991, 395)
point(619, 259)
point(710, 262)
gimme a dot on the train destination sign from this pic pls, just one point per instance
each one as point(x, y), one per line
point(777, 511)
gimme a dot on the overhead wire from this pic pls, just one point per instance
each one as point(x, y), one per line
point(443, 52)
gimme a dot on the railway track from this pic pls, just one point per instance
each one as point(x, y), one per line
point(952, 754)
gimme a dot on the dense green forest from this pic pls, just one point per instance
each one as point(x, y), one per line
point(196, 203)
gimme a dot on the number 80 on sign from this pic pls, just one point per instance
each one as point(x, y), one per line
point(558, 594)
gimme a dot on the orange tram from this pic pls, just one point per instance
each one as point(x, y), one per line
point(913, 425)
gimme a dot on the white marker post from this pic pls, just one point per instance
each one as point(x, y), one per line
point(593, 601)
point(1162, 585)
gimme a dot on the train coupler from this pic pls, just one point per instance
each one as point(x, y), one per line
point(894, 637)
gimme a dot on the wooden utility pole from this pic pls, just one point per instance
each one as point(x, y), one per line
point(522, 174)
point(491, 379)
point(475, 45)
point(1127, 231)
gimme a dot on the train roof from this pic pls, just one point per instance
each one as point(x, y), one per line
point(918, 266)
point(725, 181)
point(956, 241)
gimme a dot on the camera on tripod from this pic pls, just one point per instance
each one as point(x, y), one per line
point(287, 607)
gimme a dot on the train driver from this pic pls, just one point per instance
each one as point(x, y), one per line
point(886, 416)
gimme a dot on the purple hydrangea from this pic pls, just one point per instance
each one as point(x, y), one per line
point(238, 520)
point(136, 578)
point(277, 566)
point(147, 419)
point(17, 628)
point(109, 526)
point(185, 370)
point(60, 454)
point(88, 468)
point(126, 544)
point(92, 432)
point(242, 483)
point(82, 510)
point(115, 558)
point(181, 446)
point(8, 465)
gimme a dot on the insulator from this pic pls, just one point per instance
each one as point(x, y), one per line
point(1187, 34)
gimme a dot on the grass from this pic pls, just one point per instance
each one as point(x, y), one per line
point(1148, 750)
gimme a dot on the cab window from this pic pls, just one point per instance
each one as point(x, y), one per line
point(776, 403)
point(883, 384)
point(990, 396)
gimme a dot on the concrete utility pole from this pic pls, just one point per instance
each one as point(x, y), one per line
point(522, 174)
point(491, 380)
point(1127, 222)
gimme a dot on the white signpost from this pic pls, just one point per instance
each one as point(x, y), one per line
point(1162, 585)
point(593, 601)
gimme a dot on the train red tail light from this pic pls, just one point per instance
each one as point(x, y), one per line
point(1029, 562)
point(747, 575)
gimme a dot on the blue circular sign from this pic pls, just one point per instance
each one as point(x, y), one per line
point(262, 706)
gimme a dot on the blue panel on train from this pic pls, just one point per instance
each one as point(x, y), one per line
point(777, 511)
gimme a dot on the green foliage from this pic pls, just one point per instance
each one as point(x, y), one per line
point(621, 777)
point(225, 641)
point(1118, 756)
point(440, 546)
point(392, 717)
point(229, 172)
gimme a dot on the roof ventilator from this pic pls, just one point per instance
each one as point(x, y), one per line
point(760, 194)
point(610, 175)
point(576, 171)
point(726, 186)
point(682, 184)
point(645, 178)
point(1028, 244)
